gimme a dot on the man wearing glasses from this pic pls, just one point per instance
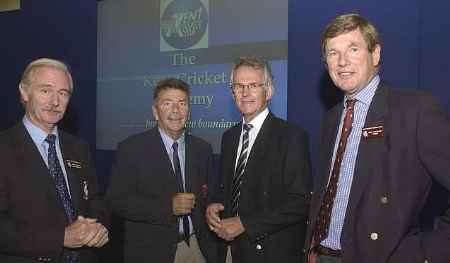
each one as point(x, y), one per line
point(265, 172)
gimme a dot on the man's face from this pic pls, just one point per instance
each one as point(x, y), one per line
point(46, 97)
point(350, 64)
point(171, 110)
point(250, 101)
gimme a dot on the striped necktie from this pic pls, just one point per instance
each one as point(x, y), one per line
point(239, 172)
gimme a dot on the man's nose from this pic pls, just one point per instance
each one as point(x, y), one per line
point(343, 60)
point(245, 90)
point(55, 99)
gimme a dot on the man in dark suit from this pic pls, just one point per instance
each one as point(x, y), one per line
point(265, 173)
point(160, 185)
point(49, 208)
point(380, 151)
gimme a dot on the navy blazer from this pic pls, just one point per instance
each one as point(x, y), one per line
point(275, 192)
point(392, 179)
point(32, 219)
point(141, 191)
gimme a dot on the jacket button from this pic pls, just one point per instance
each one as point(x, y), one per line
point(374, 236)
point(384, 200)
point(258, 247)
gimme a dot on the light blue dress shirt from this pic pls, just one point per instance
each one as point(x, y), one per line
point(168, 142)
point(38, 136)
point(363, 101)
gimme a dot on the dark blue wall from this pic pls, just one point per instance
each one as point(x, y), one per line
point(65, 30)
point(415, 54)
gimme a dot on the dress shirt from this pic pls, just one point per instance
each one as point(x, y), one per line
point(38, 136)
point(363, 101)
point(168, 142)
point(257, 123)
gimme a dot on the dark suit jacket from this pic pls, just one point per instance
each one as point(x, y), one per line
point(141, 192)
point(32, 219)
point(275, 192)
point(392, 179)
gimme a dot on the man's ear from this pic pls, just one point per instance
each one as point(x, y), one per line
point(155, 113)
point(269, 92)
point(376, 55)
point(23, 93)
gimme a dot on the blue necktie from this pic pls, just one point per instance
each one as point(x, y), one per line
point(61, 190)
point(181, 189)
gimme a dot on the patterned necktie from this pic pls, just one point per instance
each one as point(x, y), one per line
point(323, 219)
point(239, 172)
point(62, 191)
point(181, 189)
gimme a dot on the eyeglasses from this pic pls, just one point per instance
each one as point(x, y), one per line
point(251, 87)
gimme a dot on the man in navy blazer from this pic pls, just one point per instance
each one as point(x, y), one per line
point(397, 146)
point(163, 215)
point(34, 223)
point(266, 176)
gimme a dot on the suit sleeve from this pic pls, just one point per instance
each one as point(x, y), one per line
point(294, 204)
point(125, 199)
point(433, 137)
point(433, 147)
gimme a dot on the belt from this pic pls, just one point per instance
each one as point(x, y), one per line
point(181, 237)
point(324, 251)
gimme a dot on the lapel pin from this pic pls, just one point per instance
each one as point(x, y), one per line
point(85, 190)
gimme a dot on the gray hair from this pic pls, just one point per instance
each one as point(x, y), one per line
point(255, 63)
point(27, 76)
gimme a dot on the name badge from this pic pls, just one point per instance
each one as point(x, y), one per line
point(373, 132)
point(74, 164)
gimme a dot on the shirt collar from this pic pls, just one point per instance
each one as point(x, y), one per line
point(168, 141)
point(37, 134)
point(258, 121)
point(366, 94)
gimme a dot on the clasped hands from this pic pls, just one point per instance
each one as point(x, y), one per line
point(227, 229)
point(183, 203)
point(85, 232)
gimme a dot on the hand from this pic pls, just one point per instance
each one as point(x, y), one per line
point(212, 215)
point(182, 203)
point(312, 257)
point(85, 231)
point(230, 228)
point(77, 234)
point(101, 236)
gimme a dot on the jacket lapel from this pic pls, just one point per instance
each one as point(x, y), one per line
point(189, 166)
point(259, 146)
point(69, 153)
point(329, 132)
point(169, 183)
point(35, 168)
point(229, 154)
